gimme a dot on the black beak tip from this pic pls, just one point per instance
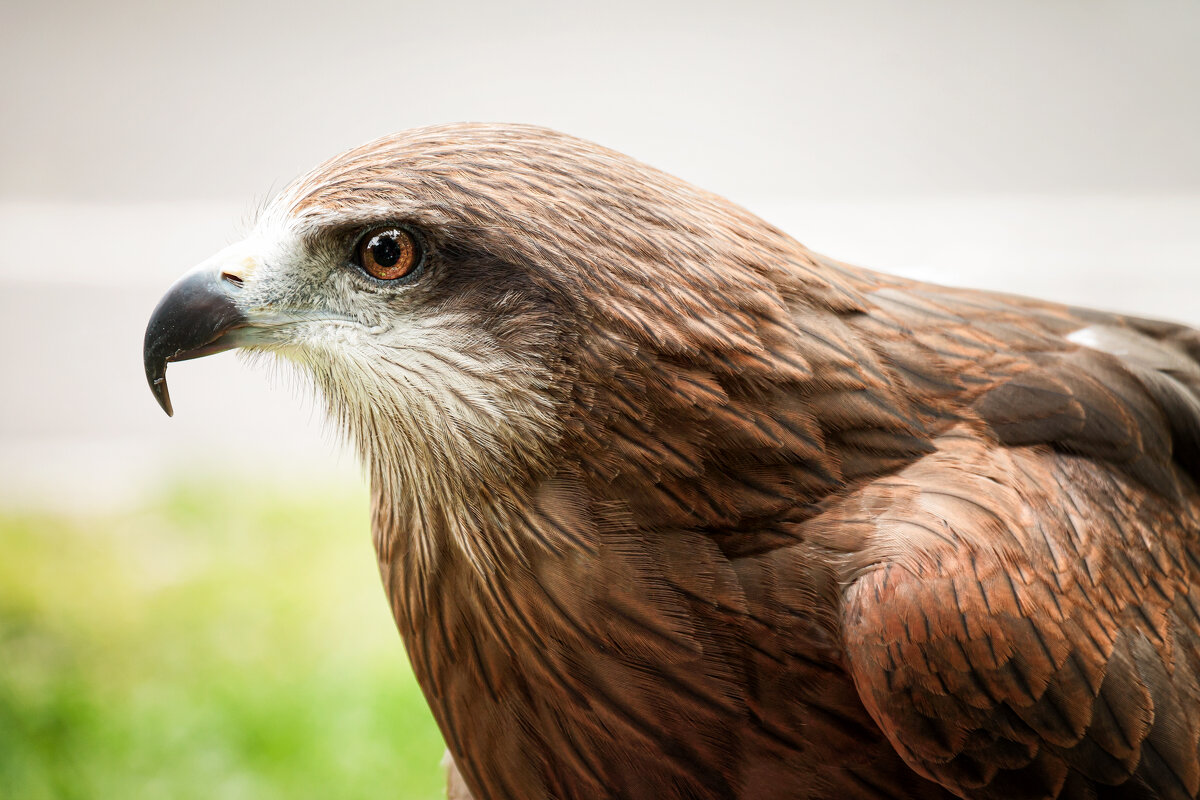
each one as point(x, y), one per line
point(159, 387)
point(156, 375)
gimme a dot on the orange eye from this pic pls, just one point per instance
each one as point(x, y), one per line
point(387, 253)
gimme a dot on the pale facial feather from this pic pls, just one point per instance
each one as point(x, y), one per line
point(436, 403)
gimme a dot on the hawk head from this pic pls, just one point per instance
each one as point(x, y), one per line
point(475, 301)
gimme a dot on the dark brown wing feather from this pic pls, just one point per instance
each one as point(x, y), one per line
point(1024, 619)
point(1027, 622)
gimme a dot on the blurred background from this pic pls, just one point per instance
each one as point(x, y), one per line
point(189, 607)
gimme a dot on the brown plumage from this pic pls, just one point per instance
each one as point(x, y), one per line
point(668, 506)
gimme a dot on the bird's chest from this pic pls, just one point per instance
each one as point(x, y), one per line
point(577, 680)
point(632, 680)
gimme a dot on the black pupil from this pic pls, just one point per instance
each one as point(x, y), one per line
point(385, 250)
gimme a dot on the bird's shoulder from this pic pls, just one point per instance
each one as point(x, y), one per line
point(1114, 388)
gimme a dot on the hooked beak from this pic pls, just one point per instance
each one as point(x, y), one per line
point(197, 317)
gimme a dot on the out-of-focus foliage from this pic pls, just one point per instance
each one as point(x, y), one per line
point(218, 644)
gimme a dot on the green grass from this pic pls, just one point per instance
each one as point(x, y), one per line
point(217, 644)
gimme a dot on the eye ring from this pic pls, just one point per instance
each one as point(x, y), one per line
point(388, 253)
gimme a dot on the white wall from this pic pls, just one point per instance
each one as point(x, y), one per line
point(144, 100)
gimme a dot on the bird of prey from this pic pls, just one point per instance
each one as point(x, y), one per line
point(667, 505)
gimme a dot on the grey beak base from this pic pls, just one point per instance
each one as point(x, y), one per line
point(190, 321)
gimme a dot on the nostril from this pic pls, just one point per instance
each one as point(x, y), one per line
point(234, 279)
